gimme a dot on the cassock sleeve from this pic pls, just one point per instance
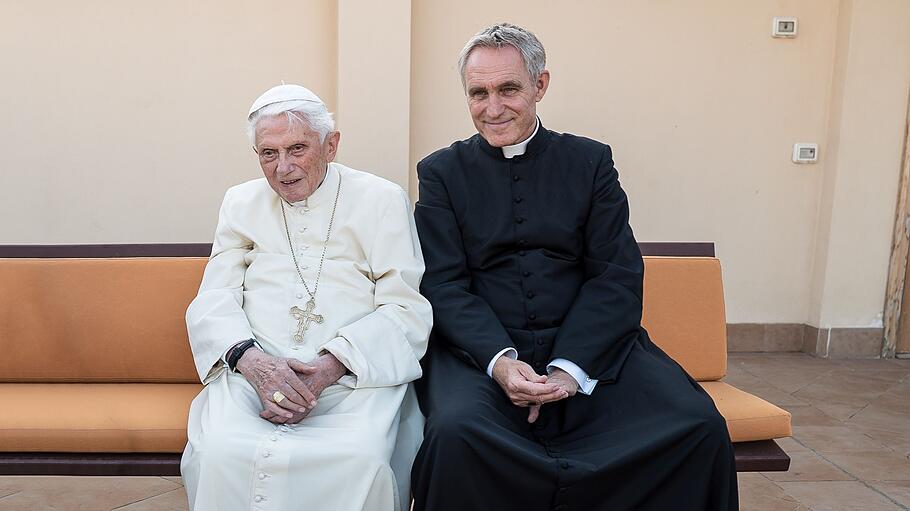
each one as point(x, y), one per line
point(604, 318)
point(463, 320)
point(215, 319)
point(384, 347)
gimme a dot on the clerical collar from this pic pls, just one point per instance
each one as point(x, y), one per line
point(510, 151)
point(324, 193)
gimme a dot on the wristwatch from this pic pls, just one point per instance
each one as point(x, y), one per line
point(238, 352)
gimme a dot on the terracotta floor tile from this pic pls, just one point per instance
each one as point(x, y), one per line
point(843, 389)
point(757, 493)
point(790, 445)
point(882, 465)
point(896, 402)
point(838, 496)
point(897, 490)
point(808, 466)
point(811, 416)
point(838, 411)
point(827, 439)
point(775, 396)
point(898, 442)
point(79, 493)
point(880, 417)
point(171, 501)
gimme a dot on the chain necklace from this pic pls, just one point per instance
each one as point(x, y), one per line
point(306, 316)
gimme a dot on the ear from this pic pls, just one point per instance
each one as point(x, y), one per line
point(330, 146)
point(543, 81)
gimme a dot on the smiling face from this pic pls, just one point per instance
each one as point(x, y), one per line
point(292, 158)
point(501, 96)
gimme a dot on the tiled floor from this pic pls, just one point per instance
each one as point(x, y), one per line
point(850, 448)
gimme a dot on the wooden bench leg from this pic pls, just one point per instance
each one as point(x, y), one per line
point(760, 456)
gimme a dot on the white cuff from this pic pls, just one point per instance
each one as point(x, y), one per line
point(585, 383)
point(509, 352)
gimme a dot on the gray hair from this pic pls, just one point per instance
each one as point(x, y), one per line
point(506, 34)
point(311, 114)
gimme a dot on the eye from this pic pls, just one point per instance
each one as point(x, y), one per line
point(267, 154)
point(297, 149)
point(478, 94)
point(509, 91)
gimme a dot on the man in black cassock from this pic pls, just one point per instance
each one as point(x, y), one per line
point(541, 389)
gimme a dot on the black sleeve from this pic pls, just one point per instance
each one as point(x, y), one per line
point(461, 319)
point(605, 316)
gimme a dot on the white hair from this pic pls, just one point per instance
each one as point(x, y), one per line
point(311, 114)
point(507, 34)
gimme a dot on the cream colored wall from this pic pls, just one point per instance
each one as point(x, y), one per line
point(125, 121)
point(702, 107)
point(859, 193)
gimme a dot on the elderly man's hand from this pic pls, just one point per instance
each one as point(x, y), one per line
point(268, 374)
point(316, 376)
point(524, 387)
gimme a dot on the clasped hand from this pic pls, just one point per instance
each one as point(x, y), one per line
point(300, 383)
point(526, 388)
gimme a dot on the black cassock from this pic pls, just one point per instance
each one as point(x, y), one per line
point(536, 253)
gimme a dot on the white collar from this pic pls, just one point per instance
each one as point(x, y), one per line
point(510, 151)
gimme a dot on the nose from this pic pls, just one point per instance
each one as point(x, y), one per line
point(284, 163)
point(494, 106)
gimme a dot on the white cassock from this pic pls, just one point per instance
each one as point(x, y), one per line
point(354, 450)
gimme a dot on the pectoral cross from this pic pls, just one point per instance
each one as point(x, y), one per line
point(304, 318)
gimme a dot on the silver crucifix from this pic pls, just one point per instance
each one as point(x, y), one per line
point(304, 318)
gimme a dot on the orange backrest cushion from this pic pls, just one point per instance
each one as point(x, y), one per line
point(684, 313)
point(121, 319)
point(97, 320)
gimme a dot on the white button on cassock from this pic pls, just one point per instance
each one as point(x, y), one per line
point(273, 437)
point(258, 498)
point(261, 475)
point(299, 295)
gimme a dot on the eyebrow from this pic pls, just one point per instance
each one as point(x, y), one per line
point(509, 83)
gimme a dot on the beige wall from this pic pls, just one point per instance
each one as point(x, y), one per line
point(127, 123)
point(702, 108)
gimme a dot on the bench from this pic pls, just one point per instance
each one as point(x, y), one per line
point(96, 373)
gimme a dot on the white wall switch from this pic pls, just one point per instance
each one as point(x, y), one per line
point(805, 153)
point(784, 26)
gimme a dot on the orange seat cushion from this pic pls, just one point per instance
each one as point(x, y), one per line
point(683, 312)
point(748, 417)
point(95, 417)
point(97, 320)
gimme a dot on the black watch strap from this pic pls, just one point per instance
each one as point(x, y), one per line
point(238, 352)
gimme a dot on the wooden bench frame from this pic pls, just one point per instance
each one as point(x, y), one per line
point(758, 456)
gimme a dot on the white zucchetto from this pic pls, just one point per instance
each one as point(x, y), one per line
point(281, 93)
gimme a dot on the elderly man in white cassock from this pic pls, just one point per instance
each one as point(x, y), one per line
point(307, 329)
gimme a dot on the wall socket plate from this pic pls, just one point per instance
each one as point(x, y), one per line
point(783, 26)
point(805, 153)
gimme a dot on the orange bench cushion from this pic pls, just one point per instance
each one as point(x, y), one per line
point(95, 417)
point(97, 320)
point(683, 312)
point(748, 417)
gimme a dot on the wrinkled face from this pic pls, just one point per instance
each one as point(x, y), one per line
point(293, 160)
point(501, 96)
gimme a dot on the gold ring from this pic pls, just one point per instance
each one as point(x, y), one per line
point(278, 396)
